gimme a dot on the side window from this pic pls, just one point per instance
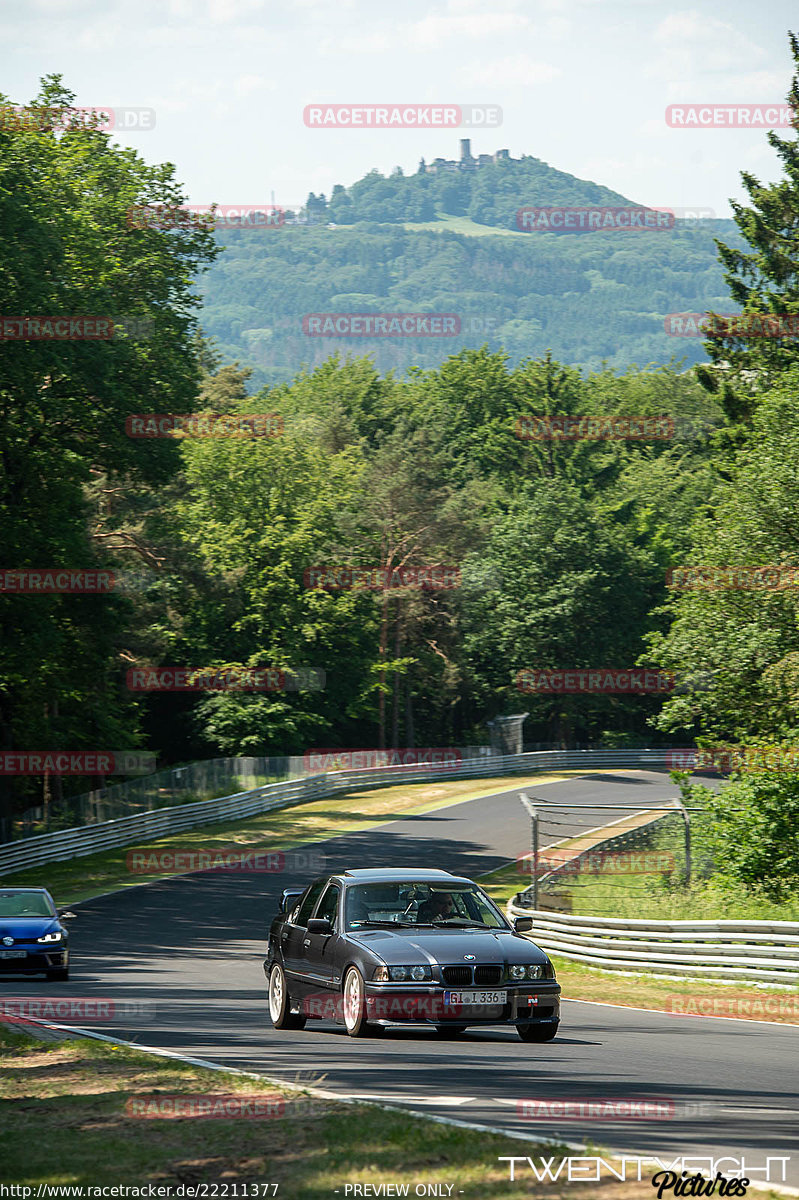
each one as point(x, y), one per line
point(308, 902)
point(328, 906)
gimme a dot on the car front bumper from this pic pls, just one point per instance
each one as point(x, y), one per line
point(33, 960)
point(533, 1004)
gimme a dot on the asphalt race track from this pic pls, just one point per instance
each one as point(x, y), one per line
point(192, 948)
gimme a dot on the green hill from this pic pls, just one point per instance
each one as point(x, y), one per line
point(448, 242)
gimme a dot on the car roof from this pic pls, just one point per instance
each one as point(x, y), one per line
point(390, 874)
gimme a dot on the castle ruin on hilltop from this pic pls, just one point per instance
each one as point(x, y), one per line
point(466, 162)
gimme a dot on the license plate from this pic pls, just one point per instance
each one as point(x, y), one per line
point(13, 953)
point(475, 997)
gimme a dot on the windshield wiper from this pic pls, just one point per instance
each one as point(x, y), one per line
point(390, 924)
point(461, 923)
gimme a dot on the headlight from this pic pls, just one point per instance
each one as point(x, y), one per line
point(535, 972)
point(380, 975)
point(401, 974)
point(51, 937)
point(518, 971)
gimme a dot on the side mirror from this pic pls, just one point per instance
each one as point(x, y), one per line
point(320, 925)
point(522, 924)
point(66, 916)
point(290, 895)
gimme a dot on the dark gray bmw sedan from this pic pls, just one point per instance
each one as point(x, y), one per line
point(372, 948)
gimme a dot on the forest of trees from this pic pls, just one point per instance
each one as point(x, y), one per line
point(563, 546)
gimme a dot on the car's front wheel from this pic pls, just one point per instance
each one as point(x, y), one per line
point(355, 1004)
point(280, 1002)
point(538, 1033)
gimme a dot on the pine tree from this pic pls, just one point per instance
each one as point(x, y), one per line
point(761, 281)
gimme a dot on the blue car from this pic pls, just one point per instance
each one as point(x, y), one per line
point(32, 939)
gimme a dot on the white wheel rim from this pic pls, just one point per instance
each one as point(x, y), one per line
point(352, 1000)
point(275, 993)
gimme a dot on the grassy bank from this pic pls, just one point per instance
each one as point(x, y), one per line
point(67, 1116)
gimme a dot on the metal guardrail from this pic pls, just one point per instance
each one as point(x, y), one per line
point(745, 950)
point(91, 839)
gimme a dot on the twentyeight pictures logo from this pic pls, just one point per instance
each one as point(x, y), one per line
point(401, 116)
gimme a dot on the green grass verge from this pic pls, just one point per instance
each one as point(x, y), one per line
point(67, 1117)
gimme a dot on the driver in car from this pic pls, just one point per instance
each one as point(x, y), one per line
point(438, 907)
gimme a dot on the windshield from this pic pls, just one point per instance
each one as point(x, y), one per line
point(415, 903)
point(25, 904)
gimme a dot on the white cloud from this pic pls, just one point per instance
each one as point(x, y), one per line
point(516, 70)
point(358, 43)
point(247, 84)
point(224, 11)
point(693, 43)
point(437, 30)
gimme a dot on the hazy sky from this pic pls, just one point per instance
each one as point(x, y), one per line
point(583, 84)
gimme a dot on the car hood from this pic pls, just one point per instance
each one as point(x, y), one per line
point(25, 928)
point(411, 947)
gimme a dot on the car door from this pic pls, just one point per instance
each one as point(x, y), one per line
point(320, 948)
point(292, 939)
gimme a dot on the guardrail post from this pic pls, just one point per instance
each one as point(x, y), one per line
point(533, 811)
point(686, 818)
